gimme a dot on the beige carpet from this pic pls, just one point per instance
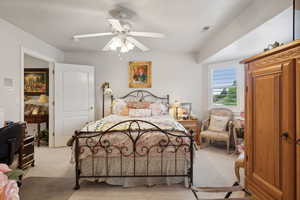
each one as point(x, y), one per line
point(213, 167)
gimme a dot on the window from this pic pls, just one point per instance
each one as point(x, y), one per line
point(226, 88)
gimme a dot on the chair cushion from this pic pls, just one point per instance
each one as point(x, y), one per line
point(218, 123)
point(215, 135)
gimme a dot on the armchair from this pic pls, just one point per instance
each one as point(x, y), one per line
point(11, 138)
point(218, 126)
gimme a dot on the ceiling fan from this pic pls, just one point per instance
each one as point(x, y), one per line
point(123, 38)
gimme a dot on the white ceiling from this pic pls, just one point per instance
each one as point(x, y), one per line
point(56, 21)
point(279, 28)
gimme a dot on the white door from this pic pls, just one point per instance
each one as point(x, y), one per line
point(74, 100)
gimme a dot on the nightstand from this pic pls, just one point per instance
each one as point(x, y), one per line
point(193, 125)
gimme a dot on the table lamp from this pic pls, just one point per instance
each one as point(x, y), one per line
point(43, 99)
point(106, 91)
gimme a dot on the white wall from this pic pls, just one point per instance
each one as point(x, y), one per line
point(175, 74)
point(279, 28)
point(31, 62)
point(12, 39)
point(257, 13)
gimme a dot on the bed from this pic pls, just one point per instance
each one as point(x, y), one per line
point(134, 150)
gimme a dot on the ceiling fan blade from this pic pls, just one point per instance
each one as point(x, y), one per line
point(116, 24)
point(91, 35)
point(107, 46)
point(137, 44)
point(147, 34)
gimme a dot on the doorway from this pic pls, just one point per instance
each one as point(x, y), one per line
point(37, 96)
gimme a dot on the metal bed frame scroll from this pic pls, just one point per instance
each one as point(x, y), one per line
point(169, 145)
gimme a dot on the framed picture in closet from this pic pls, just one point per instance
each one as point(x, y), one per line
point(36, 81)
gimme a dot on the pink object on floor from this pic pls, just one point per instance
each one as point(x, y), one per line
point(3, 180)
point(11, 191)
point(4, 168)
point(8, 188)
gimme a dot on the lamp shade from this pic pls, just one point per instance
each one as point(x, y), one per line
point(176, 104)
point(108, 91)
point(43, 99)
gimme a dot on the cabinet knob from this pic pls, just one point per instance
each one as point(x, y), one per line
point(298, 141)
point(285, 135)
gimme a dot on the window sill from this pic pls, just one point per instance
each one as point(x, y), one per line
point(234, 109)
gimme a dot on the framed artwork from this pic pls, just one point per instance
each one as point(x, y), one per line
point(140, 74)
point(184, 111)
point(36, 81)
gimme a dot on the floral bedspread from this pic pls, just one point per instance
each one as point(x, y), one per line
point(149, 141)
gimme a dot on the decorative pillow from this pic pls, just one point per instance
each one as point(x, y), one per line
point(139, 113)
point(218, 123)
point(138, 104)
point(164, 108)
point(158, 109)
point(118, 106)
point(125, 111)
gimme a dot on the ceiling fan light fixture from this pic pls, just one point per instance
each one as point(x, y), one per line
point(124, 49)
point(123, 38)
point(116, 43)
point(129, 45)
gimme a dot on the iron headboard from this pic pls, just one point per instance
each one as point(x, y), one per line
point(144, 95)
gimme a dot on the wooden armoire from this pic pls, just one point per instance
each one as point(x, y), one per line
point(272, 136)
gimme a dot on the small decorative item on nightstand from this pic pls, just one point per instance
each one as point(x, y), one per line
point(183, 111)
point(194, 125)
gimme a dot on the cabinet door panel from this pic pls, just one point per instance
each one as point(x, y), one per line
point(298, 125)
point(269, 115)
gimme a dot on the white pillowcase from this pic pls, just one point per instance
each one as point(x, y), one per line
point(158, 109)
point(139, 113)
point(218, 123)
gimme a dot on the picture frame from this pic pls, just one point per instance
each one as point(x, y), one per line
point(184, 111)
point(36, 81)
point(140, 74)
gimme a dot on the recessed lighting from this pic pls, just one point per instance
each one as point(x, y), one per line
point(205, 28)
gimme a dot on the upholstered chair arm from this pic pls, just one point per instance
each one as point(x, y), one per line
point(230, 127)
point(205, 124)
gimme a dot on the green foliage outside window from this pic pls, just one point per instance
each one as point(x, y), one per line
point(227, 97)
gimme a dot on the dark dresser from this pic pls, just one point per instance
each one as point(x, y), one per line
point(26, 156)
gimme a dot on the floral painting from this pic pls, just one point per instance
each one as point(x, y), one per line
point(140, 74)
point(36, 82)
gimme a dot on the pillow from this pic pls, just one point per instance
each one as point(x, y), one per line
point(125, 111)
point(218, 123)
point(158, 109)
point(138, 104)
point(119, 105)
point(139, 113)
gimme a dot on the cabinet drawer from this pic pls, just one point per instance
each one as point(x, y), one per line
point(28, 140)
point(28, 159)
point(28, 149)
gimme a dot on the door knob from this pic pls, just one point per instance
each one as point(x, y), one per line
point(285, 135)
